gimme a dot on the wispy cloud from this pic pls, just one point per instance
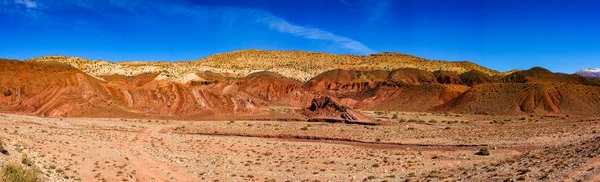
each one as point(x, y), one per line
point(232, 16)
point(281, 25)
point(345, 3)
point(27, 3)
point(376, 10)
point(28, 8)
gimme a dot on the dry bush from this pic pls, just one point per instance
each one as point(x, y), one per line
point(13, 172)
point(26, 160)
point(484, 151)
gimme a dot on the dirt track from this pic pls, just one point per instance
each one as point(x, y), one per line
point(150, 169)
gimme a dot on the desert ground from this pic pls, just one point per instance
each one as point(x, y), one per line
point(403, 146)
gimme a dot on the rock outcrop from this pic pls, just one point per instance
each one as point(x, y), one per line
point(327, 110)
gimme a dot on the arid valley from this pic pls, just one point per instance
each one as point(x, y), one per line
point(299, 90)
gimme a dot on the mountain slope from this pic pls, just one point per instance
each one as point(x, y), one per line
point(52, 89)
point(55, 89)
point(402, 89)
point(534, 91)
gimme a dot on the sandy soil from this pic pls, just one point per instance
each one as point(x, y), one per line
point(405, 146)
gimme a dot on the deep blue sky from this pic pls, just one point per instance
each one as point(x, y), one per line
point(500, 34)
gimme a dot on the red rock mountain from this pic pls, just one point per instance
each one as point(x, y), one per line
point(213, 88)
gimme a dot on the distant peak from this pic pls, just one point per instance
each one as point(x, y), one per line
point(590, 72)
point(596, 70)
point(55, 57)
point(389, 54)
point(539, 69)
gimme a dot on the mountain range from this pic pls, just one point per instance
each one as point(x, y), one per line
point(255, 84)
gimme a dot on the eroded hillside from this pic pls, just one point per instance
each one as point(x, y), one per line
point(279, 84)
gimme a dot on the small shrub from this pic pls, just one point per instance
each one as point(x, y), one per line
point(304, 128)
point(483, 151)
point(26, 160)
point(395, 116)
point(402, 120)
point(433, 121)
point(13, 172)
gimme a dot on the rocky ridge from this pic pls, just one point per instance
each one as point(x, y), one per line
point(298, 65)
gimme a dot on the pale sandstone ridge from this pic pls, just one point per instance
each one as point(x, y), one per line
point(303, 65)
point(299, 65)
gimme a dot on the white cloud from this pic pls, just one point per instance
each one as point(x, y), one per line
point(27, 3)
point(281, 25)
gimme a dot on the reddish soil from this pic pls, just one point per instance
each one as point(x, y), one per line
point(95, 149)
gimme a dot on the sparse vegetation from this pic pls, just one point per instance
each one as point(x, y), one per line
point(483, 151)
point(13, 172)
point(26, 160)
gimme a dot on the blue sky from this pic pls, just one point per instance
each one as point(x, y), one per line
point(562, 35)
